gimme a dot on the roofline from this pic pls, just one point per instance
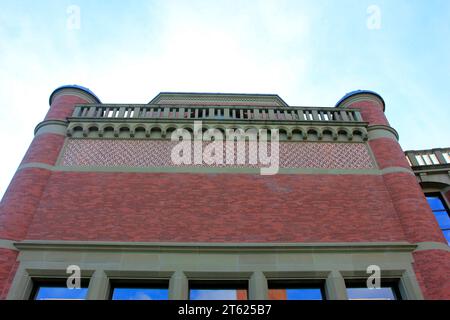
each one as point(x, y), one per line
point(76, 87)
point(221, 94)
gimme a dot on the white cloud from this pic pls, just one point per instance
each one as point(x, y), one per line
point(215, 294)
point(143, 296)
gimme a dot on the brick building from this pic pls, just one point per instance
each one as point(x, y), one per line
point(97, 189)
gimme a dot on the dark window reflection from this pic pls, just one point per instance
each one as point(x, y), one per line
point(441, 213)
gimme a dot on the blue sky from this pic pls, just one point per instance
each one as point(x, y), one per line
point(309, 52)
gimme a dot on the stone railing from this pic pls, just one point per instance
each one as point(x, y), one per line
point(235, 113)
point(428, 157)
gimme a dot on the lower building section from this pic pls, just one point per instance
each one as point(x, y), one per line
point(314, 271)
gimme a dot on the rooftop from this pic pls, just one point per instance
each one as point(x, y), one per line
point(236, 99)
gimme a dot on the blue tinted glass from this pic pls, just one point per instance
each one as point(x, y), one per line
point(435, 203)
point(140, 294)
point(447, 235)
point(214, 294)
point(443, 219)
point(304, 294)
point(60, 293)
point(370, 294)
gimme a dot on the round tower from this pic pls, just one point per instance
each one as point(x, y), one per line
point(417, 220)
point(29, 182)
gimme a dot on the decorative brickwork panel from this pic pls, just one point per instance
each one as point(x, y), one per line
point(157, 153)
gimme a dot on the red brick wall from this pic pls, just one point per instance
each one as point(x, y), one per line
point(418, 221)
point(45, 148)
point(388, 153)
point(20, 202)
point(62, 107)
point(432, 269)
point(215, 207)
point(8, 266)
point(371, 112)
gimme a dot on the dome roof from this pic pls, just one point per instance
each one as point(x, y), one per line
point(353, 93)
point(74, 86)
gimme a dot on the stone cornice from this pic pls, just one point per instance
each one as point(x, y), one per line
point(215, 247)
point(423, 246)
point(208, 170)
point(382, 131)
point(289, 130)
point(41, 126)
point(7, 244)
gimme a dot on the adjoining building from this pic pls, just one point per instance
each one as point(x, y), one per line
point(98, 192)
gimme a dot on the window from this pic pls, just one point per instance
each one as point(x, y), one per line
point(139, 289)
point(441, 213)
point(296, 290)
point(357, 290)
point(218, 290)
point(56, 289)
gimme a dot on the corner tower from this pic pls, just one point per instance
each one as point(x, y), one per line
point(24, 193)
point(417, 219)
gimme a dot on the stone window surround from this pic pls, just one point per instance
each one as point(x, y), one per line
point(99, 282)
point(331, 267)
